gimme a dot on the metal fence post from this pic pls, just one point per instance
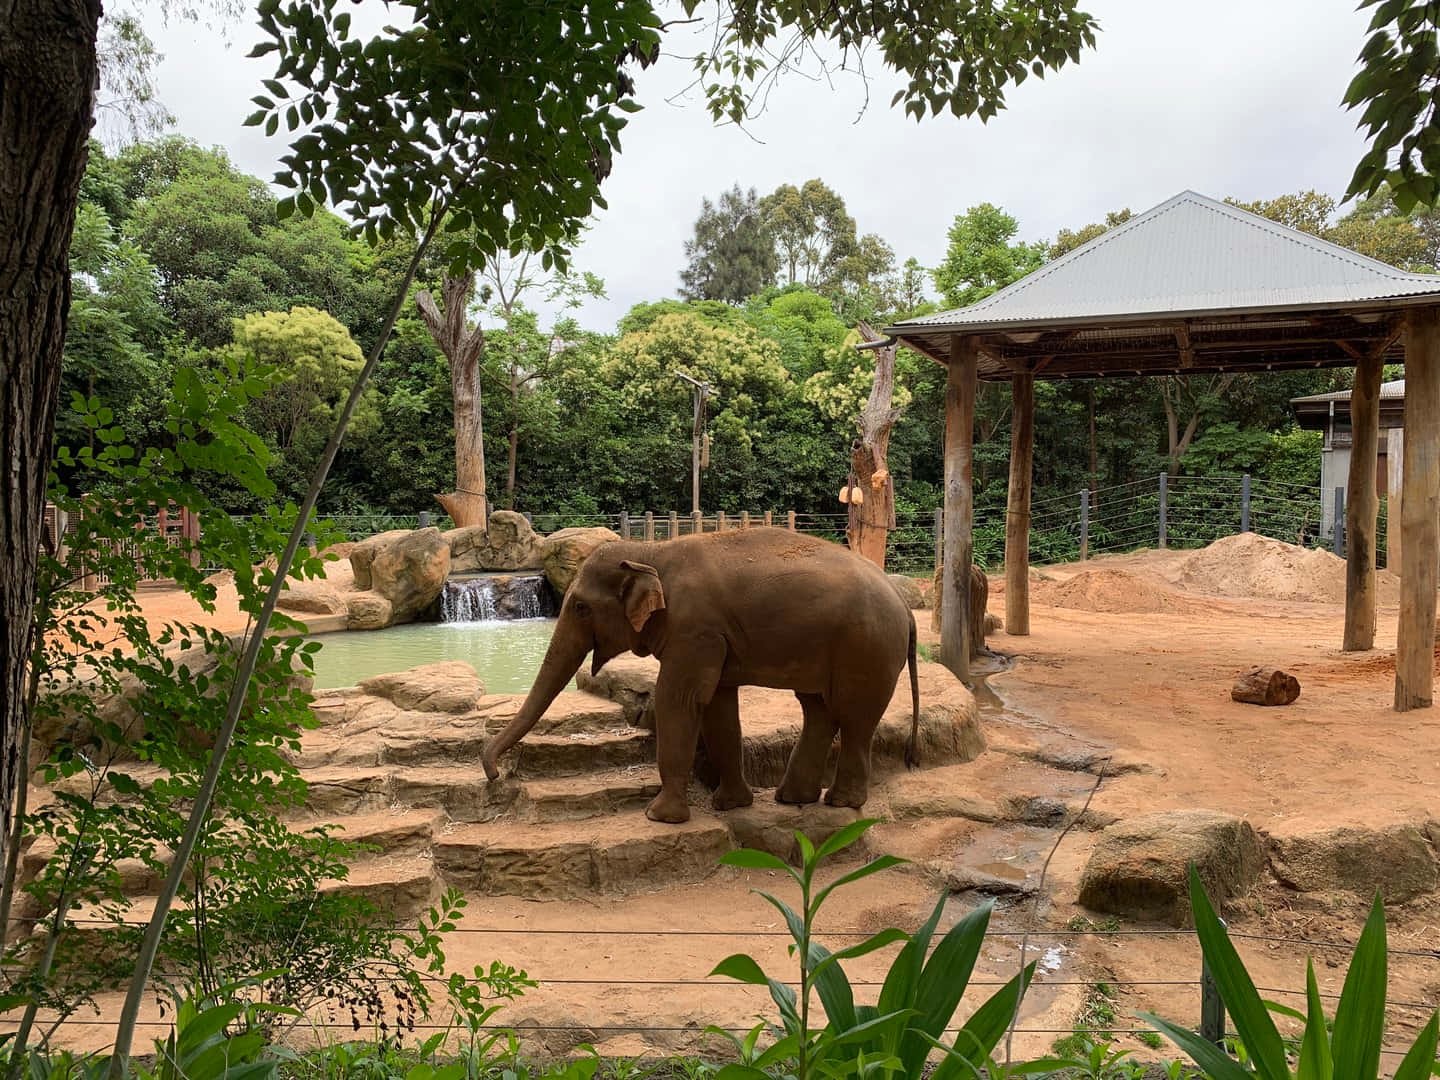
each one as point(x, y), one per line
point(624, 525)
point(1164, 500)
point(1084, 524)
point(1340, 522)
point(423, 521)
point(1212, 1008)
point(939, 530)
point(1245, 503)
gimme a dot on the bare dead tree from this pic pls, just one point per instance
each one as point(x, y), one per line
point(872, 517)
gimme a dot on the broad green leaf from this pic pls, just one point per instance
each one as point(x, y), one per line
point(884, 862)
point(741, 968)
point(901, 980)
point(1419, 1061)
point(1216, 1064)
point(1237, 990)
point(833, 986)
point(1315, 1061)
point(1360, 1016)
point(943, 982)
point(988, 1024)
point(750, 859)
point(845, 836)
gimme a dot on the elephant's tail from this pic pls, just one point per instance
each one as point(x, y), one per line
point(912, 757)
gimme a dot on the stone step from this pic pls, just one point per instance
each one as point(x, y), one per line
point(615, 854)
point(399, 886)
point(579, 797)
point(394, 831)
point(546, 756)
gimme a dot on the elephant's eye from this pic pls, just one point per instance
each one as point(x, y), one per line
point(582, 609)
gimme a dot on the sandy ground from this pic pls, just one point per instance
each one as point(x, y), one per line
point(1145, 680)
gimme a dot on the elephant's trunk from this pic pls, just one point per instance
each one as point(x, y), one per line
point(567, 650)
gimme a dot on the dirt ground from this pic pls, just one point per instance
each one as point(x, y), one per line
point(1130, 660)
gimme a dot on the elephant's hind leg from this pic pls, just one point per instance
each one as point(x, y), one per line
point(720, 727)
point(686, 684)
point(857, 715)
point(806, 768)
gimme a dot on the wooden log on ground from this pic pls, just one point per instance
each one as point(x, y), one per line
point(1265, 686)
point(1362, 504)
point(1420, 511)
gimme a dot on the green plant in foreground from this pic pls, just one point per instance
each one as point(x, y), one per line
point(1348, 1051)
point(893, 1037)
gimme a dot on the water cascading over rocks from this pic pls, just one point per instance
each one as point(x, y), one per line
point(500, 596)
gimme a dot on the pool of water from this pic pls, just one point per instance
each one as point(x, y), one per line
point(506, 655)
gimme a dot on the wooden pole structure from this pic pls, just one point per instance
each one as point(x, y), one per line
point(790, 520)
point(959, 504)
point(703, 393)
point(1420, 509)
point(649, 526)
point(1394, 479)
point(1362, 505)
point(674, 525)
point(1017, 511)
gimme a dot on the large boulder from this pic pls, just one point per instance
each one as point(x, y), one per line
point(562, 553)
point(909, 590)
point(316, 597)
point(629, 681)
point(507, 543)
point(408, 569)
point(366, 611)
point(449, 686)
point(362, 555)
point(1140, 868)
point(1397, 860)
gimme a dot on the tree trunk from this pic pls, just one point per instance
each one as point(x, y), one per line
point(1265, 686)
point(462, 346)
point(873, 518)
point(514, 448)
point(47, 101)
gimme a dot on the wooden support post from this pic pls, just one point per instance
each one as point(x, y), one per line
point(769, 518)
point(744, 519)
point(959, 504)
point(674, 526)
point(1394, 503)
point(624, 525)
point(1362, 505)
point(697, 521)
point(1017, 511)
point(1420, 507)
point(720, 521)
point(790, 520)
point(649, 526)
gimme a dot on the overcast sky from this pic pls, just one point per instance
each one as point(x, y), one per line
point(1227, 97)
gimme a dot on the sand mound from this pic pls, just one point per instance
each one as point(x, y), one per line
point(1247, 565)
point(1116, 592)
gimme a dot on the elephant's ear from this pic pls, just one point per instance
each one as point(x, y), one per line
point(641, 593)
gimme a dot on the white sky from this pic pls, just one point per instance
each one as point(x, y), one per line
point(1228, 97)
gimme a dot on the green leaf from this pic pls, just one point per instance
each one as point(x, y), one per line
point(884, 862)
point(750, 859)
point(988, 1024)
point(1360, 1016)
point(1419, 1062)
point(843, 837)
point(742, 968)
point(1237, 990)
point(943, 982)
point(1315, 1061)
point(1214, 1062)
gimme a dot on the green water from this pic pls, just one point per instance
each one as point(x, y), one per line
point(506, 655)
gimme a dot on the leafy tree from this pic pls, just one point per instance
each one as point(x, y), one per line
point(1396, 87)
point(732, 254)
point(315, 360)
point(982, 258)
point(1067, 240)
point(812, 230)
point(865, 284)
point(803, 322)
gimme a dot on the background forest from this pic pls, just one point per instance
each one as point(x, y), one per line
point(181, 260)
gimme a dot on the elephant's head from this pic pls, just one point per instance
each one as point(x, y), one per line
point(606, 608)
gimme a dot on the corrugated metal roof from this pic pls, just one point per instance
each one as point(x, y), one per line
point(1390, 391)
point(1189, 255)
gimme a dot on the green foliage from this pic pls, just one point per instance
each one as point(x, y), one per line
point(812, 231)
point(1067, 240)
point(1225, 449)
point(920, 993)
point(982, 258)
point(1349, 1048)
point(732, 253)
point(1395, 88)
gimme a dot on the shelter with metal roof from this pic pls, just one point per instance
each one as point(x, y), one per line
point(1193, 286)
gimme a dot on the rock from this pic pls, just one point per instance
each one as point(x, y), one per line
point(979, 599)
point(450, 686)
point(628, 680)
point(367, 611)
point(315, 597)
point(409, 571)
point(992, 879)
point(909, 590)
point(1265, 686)
point(508, 542)
point(767, 825)
point(1140, 868)
point(362, 555)
point(1397, 860)
point(561, 553)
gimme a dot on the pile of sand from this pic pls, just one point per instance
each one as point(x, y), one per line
point(1117, 592)
point(1247, 565)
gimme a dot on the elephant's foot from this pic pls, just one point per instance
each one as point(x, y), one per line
point(847, 796)
point(669, 808)
point(732, 797)
point(790, 792)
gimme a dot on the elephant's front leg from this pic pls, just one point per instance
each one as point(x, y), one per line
point(721, 727)
point(688, 676)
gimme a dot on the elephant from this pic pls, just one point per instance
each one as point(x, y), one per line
point(751, 607)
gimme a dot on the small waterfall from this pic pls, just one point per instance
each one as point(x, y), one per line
point(496, 596)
